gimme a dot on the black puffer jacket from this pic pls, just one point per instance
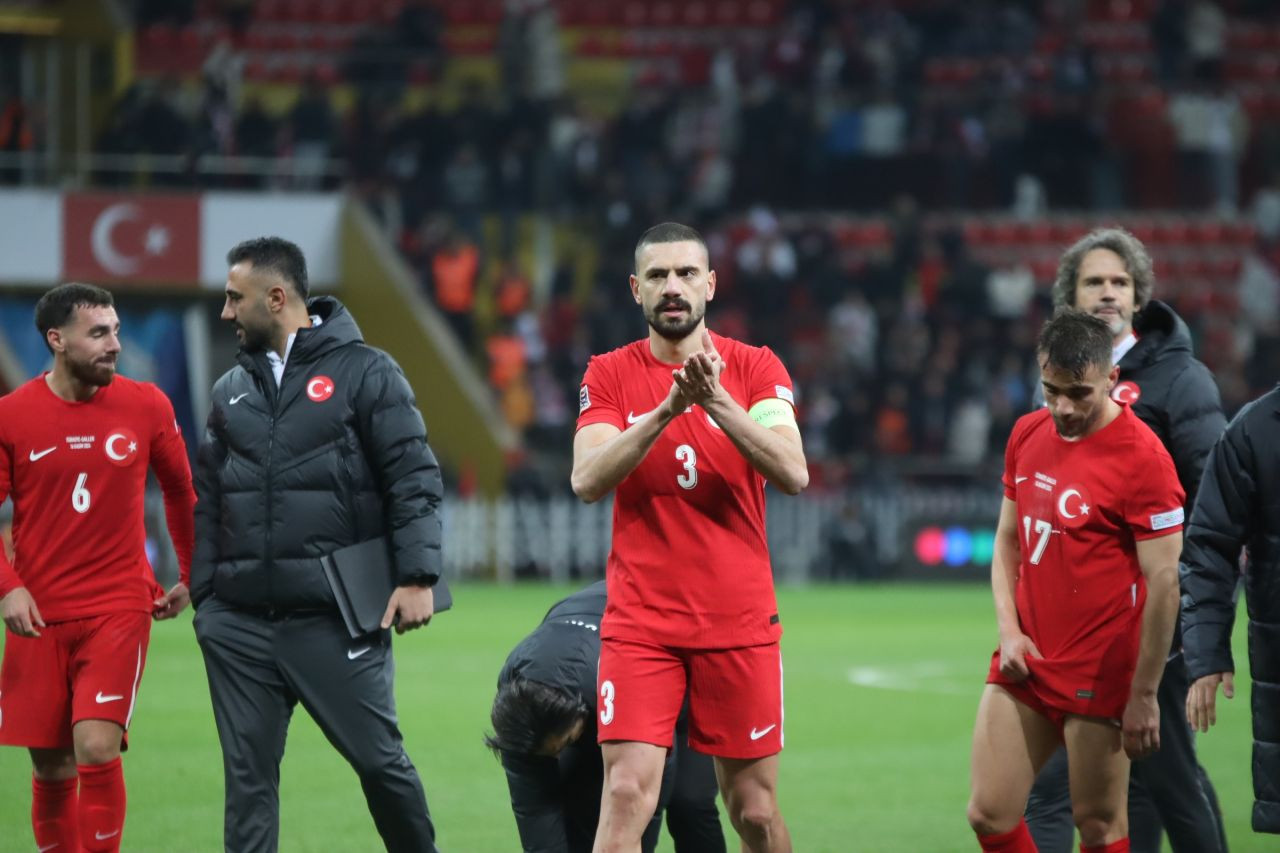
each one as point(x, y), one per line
point(336, 456)
point(1239, 507)
point(1176, 394)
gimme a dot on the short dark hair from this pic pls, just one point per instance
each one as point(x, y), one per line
point(57, 305)
point(1137, 263)
point(525, 713)
point(668, 232)
point(1073, 340)
point(276, 254)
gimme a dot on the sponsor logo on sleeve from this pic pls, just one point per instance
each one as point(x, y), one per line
point(584, 399)
point(782, 392)
point(1163, 520)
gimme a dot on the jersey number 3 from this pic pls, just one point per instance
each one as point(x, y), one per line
point(686, 455)
point(80, 497)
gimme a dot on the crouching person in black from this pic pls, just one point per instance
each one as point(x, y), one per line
point(544, 731)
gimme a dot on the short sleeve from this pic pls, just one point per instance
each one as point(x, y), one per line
point(1156, 498)
point(1010, 461)
point(769, 379)
point(598, 396)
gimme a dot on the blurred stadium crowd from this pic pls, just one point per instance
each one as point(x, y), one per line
point(885, 186)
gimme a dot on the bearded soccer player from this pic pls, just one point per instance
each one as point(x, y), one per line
point(1085, 580)
point(687, 426)
point(79, 597)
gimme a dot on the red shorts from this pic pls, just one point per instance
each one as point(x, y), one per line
point(84, 669)
point(1052, 697)
point(735, 696)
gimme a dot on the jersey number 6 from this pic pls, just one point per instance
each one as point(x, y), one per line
point(80, 498)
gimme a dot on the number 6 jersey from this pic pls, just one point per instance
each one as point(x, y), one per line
point(690, 564)
point(77, 472)
point(1082, 507)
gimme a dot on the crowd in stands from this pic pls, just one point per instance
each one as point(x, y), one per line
point(908, 342)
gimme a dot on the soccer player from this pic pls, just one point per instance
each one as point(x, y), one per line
point(1086, 592)
point(79, 597)
point(1108, 273)
point(687, 426)
point(544, 721)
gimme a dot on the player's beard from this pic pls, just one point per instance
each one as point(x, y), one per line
point(1076, 427)
point(97, 373)
point(674, 328)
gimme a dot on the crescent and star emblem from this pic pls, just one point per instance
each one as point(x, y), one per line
point(1064, 504)
point(121, 447)
point(319, 388)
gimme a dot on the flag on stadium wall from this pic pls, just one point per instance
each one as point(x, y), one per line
point(120, 237)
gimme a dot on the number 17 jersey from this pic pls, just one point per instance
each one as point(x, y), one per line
point(689, 566)
point(1082, 508)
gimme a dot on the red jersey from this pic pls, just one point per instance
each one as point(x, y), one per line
point(1082, 507)
point(77, 472)
point(689, 564)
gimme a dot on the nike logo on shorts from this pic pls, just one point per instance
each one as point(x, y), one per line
point(48, 847)
point(237, 398)
point(756, 734)
point(355, 653)
point(102, 698)
point(104, 836)
point(33, 455)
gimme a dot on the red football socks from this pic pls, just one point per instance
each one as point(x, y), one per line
point(101, 806)
point(1121, 846)
point(53, 815)
point(1016, 840)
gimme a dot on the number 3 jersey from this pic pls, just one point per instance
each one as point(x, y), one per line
point(690, 564)
point(1082, 508)
point(77, 472)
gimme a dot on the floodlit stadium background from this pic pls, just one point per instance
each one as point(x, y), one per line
point(885, 188)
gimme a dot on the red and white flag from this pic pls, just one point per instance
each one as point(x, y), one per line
point(117, 237)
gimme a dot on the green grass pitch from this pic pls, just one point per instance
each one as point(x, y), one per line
point(882, 684)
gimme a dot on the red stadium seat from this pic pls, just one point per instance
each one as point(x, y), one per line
point(695, 15)
point(728, 13)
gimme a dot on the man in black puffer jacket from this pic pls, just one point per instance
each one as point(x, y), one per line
point(314, 443)
point(1239, 508)
point(1108, 273)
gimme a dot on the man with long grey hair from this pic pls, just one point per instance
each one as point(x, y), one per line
point(1108, 273)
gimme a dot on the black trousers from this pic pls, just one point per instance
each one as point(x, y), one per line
point(1168, 790)
point(258, 670)
point(692, 817)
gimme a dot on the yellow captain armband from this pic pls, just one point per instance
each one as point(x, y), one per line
point(773, 412)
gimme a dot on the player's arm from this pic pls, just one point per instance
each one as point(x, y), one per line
point(210, 457)
point(604, 455)
point(536, 802)
point(1158, 559)
point(17, 607)
point(767, 437)
point(394, 439)
point(1006, 557)
point(1222, 522)
point(173, 471)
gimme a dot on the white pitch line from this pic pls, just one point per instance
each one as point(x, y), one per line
point(923, 677)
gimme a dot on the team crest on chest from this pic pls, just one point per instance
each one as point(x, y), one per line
point(319, 388)
point(1074, 504)
point(1126, 393)
point(121, 447)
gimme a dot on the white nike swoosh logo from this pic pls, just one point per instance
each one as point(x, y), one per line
point(756, 735)
point(355, 653)
point(33, 456)
point(238, 398)
point(1017, 480)
point(48, 847)
point(102, 698)
point(632, 417)
point(101, 837)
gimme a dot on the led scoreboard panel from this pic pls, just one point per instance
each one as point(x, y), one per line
point(948, 549)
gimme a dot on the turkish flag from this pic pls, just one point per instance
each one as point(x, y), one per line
point(115, 237)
